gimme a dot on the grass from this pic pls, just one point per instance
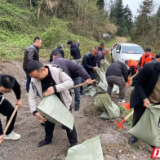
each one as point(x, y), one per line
point(111, 43)
point(16, 34)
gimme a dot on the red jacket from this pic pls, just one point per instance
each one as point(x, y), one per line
point(145, 59)
point(133, 63)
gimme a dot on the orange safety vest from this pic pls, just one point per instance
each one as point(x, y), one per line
point(133, 63)
point(145, 59)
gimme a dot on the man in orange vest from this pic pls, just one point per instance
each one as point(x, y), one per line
point(132, 64)
point(146, 57)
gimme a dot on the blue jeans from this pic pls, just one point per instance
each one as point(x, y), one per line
point(77, 81)
point(28, 81)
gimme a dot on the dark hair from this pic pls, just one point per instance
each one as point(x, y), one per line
point(101, 44)
point(126, 61)
point(60, 47)
point(33, 65)
point(147, 50)
point(36, 38)
point(7, 81)
point(69, 42)
point(56, 53)
point(95, 48)
point(157, 55)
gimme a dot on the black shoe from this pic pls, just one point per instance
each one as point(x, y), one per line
point(76, 108)
point(132, 140)
point(43, 143)
point(73, 144)
point(154, 147)
point(63, 127)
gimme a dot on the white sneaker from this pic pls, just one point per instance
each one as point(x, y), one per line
point(12, 136)
point(121, 101)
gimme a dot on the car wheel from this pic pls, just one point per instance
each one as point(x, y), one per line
point(112, 60)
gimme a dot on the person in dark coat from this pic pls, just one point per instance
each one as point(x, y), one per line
point(101, 46)
point(7, 84)
point(75, 71)
point(147, 89)
point(114, 76)
point(75, 52)
point(101, 55)
point(90, 63)
point(59, 49)
point(31, 53)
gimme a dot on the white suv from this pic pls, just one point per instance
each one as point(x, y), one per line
point(125, 51)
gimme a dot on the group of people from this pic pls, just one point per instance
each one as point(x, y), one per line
point(61, 74)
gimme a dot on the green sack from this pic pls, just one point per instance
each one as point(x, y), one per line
point(111, 110)
point(104, 65)
point(115, 89)
point(89, 150)
point(101, 82)
point(146, 129)
point(89, 90)
point(54, 111)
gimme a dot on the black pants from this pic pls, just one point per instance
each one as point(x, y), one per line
point(71, 134)
point(7, 109)
point(138, 111)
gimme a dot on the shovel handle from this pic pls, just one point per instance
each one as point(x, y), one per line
point(82, 84)
point(129, 115)
point(10, 120)
point(134, 75)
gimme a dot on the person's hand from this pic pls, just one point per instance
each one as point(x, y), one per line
point(78, 41)
point(146, 103)
point(94, 68)
point(40, 117)
point(88, 81)
point(19, 102)
point(49, 91)
point(1, 138)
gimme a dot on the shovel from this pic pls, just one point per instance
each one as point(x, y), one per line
point(129, 80)
point(82, 84)
point(120, 124)
point(10, 120)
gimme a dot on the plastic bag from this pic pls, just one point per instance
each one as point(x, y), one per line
point(89, 150)
point(111, 110)
point(146, 129)
point(54, 111)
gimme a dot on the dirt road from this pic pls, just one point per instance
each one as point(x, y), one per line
point(88, 124)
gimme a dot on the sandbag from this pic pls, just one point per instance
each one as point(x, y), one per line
point(54, 111)
point(115, 89)
point(89, 90)
point(89, 150)
point(111, 110)
point(101, 82)
point(104, 65)
point(146, 129)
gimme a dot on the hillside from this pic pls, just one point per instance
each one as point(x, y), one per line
point(19, 25)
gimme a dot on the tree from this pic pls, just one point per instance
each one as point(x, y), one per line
point(128, 18)
point(100, 4)
point(143, 25)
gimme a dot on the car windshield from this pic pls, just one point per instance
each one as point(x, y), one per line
point(132, 50)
